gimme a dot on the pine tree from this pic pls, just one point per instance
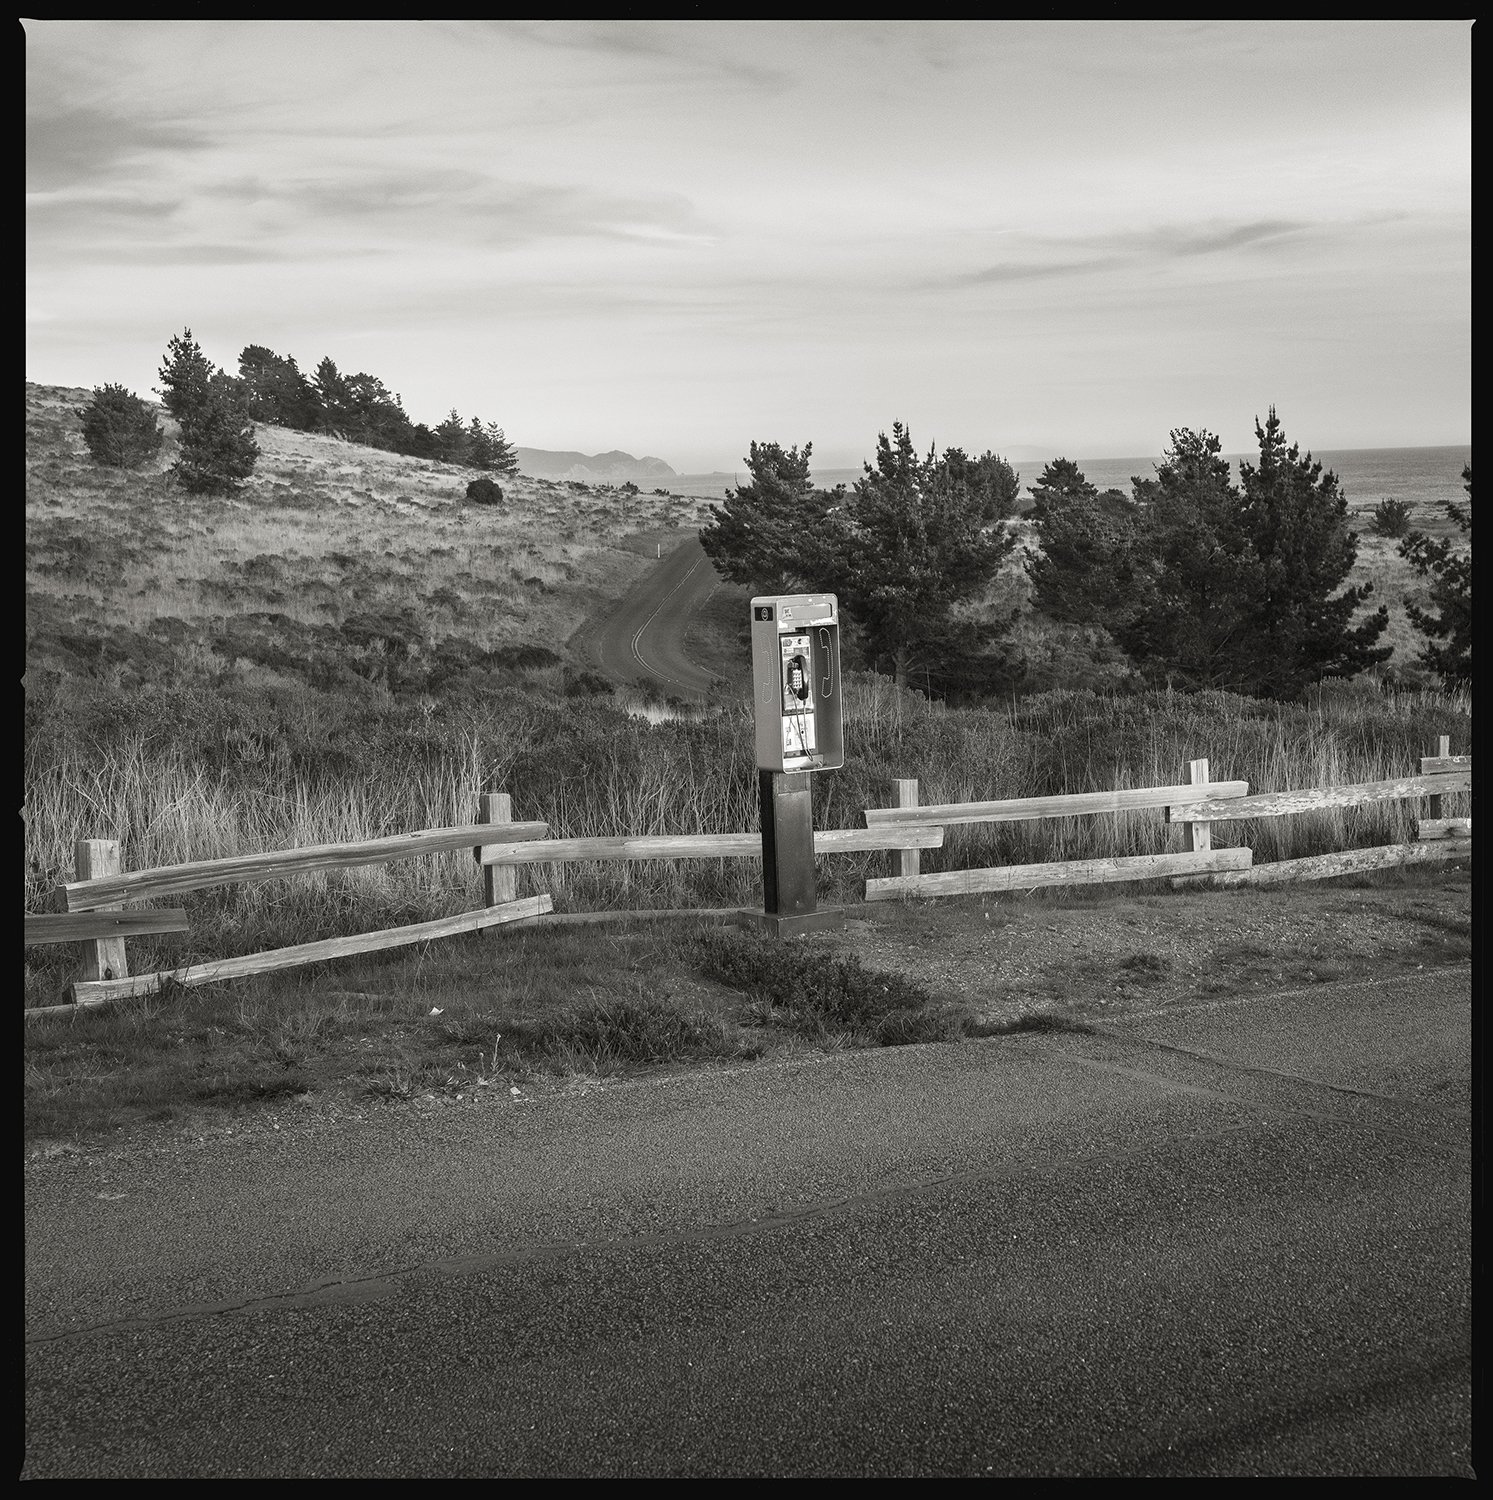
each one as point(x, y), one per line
point(761, 534)
point(504, 458)
point(451, 439)
point(1190, 571)
point(276, 390)
point(916, 539)
point(479, 446)
point(338, 411)
point(1296, 628)
point(119, 428)
point(184, 374)
point(218, 450)
point(1084, 571)
point(1449, 573)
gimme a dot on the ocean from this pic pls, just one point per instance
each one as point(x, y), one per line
point(1422, 476)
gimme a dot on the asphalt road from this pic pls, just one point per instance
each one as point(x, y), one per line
point(1230, 1239)
point(642, 638)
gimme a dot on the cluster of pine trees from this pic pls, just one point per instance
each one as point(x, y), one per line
point(1201, 583)
point(362, 409)
point(906, 550)
point(217, 412)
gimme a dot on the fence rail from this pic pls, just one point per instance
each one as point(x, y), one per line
point(1063, 872)
point(703, 845)
point(172, 880)
point(95, 992)
point(1324, 866)
point(78, 927)
point(1280, 804)
point(1073, 804)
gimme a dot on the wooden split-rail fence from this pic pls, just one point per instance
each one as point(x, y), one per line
point(98, 919)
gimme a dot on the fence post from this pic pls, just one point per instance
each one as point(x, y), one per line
point(103, 958)
point(906, 861)
point(499, 882)
point(1199, 835)
point(1433, 804)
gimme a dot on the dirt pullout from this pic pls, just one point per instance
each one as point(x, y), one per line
point(1088, 955)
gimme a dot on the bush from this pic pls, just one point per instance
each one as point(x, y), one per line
point(1391, 518)
point(818, 996)
point(606, 1036)
point(119, 428)
point(484, 492)
point(586, 684)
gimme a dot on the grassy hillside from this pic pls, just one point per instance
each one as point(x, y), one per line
point(338, 565)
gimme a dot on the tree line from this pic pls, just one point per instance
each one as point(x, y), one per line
point(1199, 582)
point(217, 412)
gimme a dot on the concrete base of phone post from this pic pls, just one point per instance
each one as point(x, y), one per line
point(788, 875)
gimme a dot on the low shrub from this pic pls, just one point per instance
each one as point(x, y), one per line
point(1391, 518)
point(120, 429)
point(820, 996)
point(626, 1031)
point(586, 684)
point(484, 492)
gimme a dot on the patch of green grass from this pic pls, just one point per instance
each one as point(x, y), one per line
point(1039, 1021)
point(1146, 968)
point(825, 998)
point(631, 1030)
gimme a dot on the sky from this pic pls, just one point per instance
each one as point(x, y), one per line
point(677, 238)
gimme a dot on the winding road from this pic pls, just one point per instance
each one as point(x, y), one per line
point(641, 638)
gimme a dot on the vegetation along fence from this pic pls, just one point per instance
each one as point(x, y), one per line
point(98, 919)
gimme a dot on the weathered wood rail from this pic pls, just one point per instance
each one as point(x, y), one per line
point(244, 869)
point(701, 845)
point(1312, 799)
point(1061, 872)
point(78, 927)
point(95, 992)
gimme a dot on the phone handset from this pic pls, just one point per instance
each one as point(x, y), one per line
point(827, 687)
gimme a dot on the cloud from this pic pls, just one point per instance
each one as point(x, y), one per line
point(1080, 255)
point(674, 42)
point(177, 254)
point(1166, 243)
point(84, 144)
point(1033, 270)
point(86, 210)
point(482, 210)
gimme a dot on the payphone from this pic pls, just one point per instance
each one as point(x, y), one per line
point(799, 729)
point(796, 682)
